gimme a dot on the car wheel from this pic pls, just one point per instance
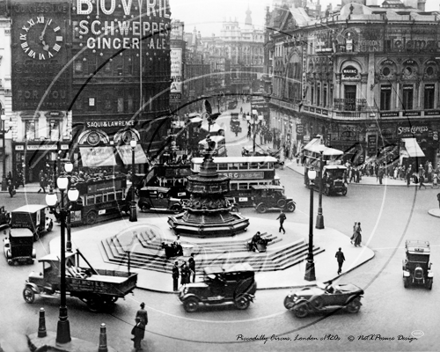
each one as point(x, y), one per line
point(291, 207)
point(344, 192)
point(93, 303)
point(242, 303)
point(317, 302)
point(288, 303)
point(144, 208)
point(176, 209)
point(91, 217)
point(354, 306)
point(261, 208)
point(429, 284)
point(191, 304)
point(405, 282)
point(28, 295)
point(300, 311)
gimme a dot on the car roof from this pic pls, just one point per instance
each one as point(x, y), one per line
point(274, 187)
point(228, 268)
point(418, 247)
point(29, 208)
point(21, 232)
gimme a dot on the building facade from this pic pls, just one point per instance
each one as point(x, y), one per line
point(87, 78)
point(364, 78)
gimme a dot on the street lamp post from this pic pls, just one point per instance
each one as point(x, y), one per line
point(63, 327)
point(133, 214)
point(3, 132)
point(310, 265)
point(320, 216)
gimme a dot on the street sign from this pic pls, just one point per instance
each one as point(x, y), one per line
point(300, 129)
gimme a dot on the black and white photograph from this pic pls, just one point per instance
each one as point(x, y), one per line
point(219, 175)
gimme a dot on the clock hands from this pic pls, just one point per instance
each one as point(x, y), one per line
point(43, 33)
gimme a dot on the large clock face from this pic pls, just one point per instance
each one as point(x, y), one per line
point(41, 38)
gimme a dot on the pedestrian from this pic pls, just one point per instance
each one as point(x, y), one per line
point(282, 218)
point(421, 180)
point(139, 332)
point(192, 267)
point(142, 315)
point(358, 240)
point(42, 182)
point(184, 274)
point(340, 258)
point(380, 174)
point(435, 180)
point(354, 236)
point(175, 276)
point(408, 176)
point(11, 188)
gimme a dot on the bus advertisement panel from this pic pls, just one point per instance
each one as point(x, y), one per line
point(244, 172)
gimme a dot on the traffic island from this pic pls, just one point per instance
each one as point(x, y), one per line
point(434, 212)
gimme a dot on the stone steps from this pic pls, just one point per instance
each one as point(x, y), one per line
point(151, 256)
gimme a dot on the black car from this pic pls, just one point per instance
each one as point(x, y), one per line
point(416, 266)
point(221, 285)
point(270, 198)
point(154, 198)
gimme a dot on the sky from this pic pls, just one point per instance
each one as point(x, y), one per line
point(207, 15)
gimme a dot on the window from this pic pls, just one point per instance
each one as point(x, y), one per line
point(312, 95)
point(111, 197)
point(318, 94)
point(408, 97)
point(243, 166)
point(350, 98)
point(233, 166)
point(385, 97)
point(120, 104)
point(92, 104)
point(30, 129)
point(242, 186)
point(222, 166)
point(54, 130)
point(90, 200)
point(98, 199)
point(324, 96)
point(429, 96)
point(233, 186)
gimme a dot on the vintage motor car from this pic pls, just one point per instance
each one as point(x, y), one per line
point(96, 287)
point(5, 217)
point(34, 217)
point(324, 298)
point(19, 246)
point(333, 180)
point(416, 266)
point(229, 284)
point(270, 198)
point(154, 198)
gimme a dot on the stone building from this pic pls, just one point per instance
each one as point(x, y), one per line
point(365, 78)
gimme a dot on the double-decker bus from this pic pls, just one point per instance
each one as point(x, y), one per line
point(172, 176)
point(100, 200)
point(244, 173)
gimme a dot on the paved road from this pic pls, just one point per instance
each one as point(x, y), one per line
point(388, 216)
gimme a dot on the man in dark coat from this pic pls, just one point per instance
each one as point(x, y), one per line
point(282, 218)
point(184, 274)
point(142, 315)
point(139, 332)
point(175, 276)
point(340, 258)
point(192, 267)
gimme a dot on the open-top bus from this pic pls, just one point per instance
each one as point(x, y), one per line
point(244, 173)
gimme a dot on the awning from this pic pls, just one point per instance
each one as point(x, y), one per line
point(97, 156)
point(332, 152)
point(215, 127)
point(412, 147)
point(312, 146)
point(126, 154)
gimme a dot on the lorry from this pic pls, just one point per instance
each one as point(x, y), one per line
point(18, 246)
point(95, 287)
point(34, 217)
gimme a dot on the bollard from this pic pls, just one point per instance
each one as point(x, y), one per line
point(42, 324)
point(103, 339)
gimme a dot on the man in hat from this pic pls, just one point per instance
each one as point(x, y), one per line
point(142, 315)
point(175, 276)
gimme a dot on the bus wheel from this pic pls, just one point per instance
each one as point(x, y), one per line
point(91, 217)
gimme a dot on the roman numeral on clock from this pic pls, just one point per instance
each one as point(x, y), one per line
point(41, 56)
point(56, 47)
